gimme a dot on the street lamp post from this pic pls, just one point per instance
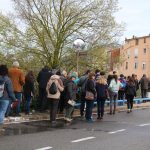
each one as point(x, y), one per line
point(79, 45)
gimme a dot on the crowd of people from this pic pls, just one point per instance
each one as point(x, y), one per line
point(58, 91)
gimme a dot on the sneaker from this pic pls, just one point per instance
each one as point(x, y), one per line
point(90, 120)
point(18, 115)
point(128, 111)
point(67, 119)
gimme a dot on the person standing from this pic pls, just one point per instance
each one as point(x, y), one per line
point(121, 92)
point(42, 79)
point(28, 91)
point(61, 106)
point(71, 91)
point(82, 83)
point(90, 96)
point(54, 88)
point(134, 76)
point(102, 95)
point(18, 79)
point(144, 82)
point(114, 87)
point(130, 92)
point(6, 92)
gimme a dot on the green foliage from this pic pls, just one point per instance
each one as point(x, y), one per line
point(49, 27)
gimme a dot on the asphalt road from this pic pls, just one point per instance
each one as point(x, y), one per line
point(119, 132)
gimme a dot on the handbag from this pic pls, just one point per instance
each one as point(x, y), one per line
point(89, 95)
point(71, 102)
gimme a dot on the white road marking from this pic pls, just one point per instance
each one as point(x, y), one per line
point(142, 125)
point(44, 148)
point(83, 139)
point(113, 132)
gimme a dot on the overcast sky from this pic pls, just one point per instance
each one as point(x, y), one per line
point(134, 13)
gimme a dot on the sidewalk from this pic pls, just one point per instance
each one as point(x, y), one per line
point(36, 116)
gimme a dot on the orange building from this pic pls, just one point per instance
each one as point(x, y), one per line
point(134, 57)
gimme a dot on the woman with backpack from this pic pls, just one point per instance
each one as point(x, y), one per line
point(54, 89)
point(114, 87)
point(130, 92)
point(102, 94)
point(28, 91)
point(6, 92)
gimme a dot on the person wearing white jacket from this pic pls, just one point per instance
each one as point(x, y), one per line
point(114, 87)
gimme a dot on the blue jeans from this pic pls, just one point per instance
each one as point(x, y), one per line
point(28, 102)
point(113, 98)
point(9, 111)
point(89, 108)
point(18, 96)
point(3, 108)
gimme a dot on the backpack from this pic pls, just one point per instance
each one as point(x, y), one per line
point(53, 88)
point(130, 90)
point(2, 88)
point(82, 84)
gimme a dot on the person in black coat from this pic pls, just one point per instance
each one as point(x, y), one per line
point(28, 90)
point(102, 95)
point(130, 92)
point(90, 87)
point(43, 77)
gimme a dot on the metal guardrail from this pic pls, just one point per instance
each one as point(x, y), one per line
point(119, 102)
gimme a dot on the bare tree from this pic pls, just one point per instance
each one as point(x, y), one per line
point(51, 26)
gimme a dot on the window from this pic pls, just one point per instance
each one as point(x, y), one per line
point(144, 40)
point(136, 53)
point(136, 41)
point(135, 65)
point(126, 65)
point(144, 50)
point(143, 65)
point(128, 53)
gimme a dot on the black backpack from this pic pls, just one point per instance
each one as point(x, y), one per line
point(53, 88)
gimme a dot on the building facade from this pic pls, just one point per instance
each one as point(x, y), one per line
point(134, 57)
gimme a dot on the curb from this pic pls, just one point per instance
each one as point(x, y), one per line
point(17, 120)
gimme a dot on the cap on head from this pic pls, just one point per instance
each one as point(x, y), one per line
point(15, 64)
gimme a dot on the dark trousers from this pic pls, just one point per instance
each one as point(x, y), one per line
point(42, 105)
point(130, 101)
point(100, 106)
point(53, 106)
point(61, 104)
point(89, 108)
point(121, 94)
point(82, 106)
point(144, 93)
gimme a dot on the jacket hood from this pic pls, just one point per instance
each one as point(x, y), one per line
point(45, 70)
point(54, 77)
